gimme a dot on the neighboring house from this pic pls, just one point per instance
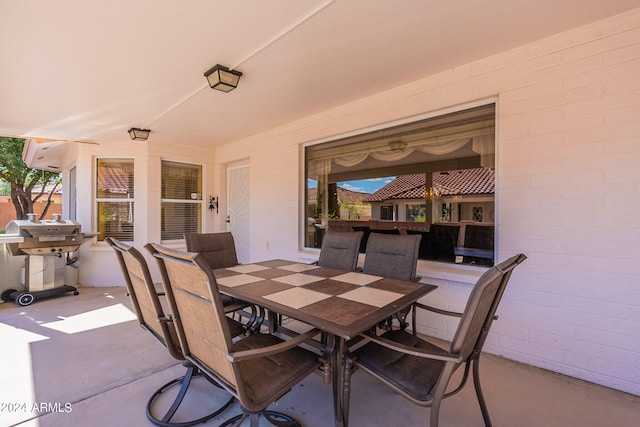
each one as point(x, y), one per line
point(456, 195)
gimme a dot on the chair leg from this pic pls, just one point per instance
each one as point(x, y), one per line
point(258, 320)
point(184, 383)
point(481, 401)
point(277, 419)
point(439, 393)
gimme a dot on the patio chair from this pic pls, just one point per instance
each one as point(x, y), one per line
point(259, 369)
point(340, 250)
point(394, 256)
point(421, 371)
point(219, 251)
point(152, 318)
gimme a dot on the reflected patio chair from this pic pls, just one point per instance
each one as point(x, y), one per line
point(340, 250)
point(421, 371)
point(219, 251)
point(394, 256)
point(259, 369)
point(152, 317)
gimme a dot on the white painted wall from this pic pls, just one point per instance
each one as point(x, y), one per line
point(568, 135)
point(98, 265)
point(567, 173)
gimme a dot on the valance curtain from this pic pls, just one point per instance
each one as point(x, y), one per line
point(482, 144)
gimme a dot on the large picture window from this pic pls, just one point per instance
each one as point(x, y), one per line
point(114, 198)
point(181, 199)
point(434, 177)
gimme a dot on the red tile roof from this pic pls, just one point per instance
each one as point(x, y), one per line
point(449, 183)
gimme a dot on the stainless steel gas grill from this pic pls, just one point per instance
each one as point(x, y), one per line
point(47, 245)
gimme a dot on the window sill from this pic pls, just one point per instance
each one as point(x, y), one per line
point(437, 273)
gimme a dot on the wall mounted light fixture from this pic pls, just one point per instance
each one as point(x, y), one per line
point(432, 193)
point(223, 79)
point(213, 203)
point(139, 134)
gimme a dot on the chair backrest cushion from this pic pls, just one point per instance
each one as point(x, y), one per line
point(217, 249)
point(481, 307)
point(202, 327)
point(340, 250)
point(393, 256)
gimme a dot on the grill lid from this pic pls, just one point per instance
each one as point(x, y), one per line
point(46, 237)
point(30, 228)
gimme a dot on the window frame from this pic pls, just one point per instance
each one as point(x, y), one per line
point(105, 200)
point(358, 135)
point(386, 208)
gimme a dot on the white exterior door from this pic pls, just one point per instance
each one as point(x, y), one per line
point(238, 208)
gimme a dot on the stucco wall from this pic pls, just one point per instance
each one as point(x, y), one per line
point(568, 182)
point(568, 126)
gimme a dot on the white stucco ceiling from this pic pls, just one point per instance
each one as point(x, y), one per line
point(91, 70)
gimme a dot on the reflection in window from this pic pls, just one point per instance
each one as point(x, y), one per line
point(415, 212)
point(477, 213)
point(386, 213)
point(414, 178)
point(181, 204)
point(114, 197)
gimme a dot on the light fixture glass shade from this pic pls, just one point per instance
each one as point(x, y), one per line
point(223, 79)
point(139, 134)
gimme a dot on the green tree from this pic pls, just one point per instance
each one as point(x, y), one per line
point(27, 185)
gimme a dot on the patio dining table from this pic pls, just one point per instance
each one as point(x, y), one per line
point(340, 303)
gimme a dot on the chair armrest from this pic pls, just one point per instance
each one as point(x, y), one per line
point(236, 306)
point(412, 351)
point(159, 289)
point(238, 356)
point(444, 312)
point(165, 319)
point(438, 310)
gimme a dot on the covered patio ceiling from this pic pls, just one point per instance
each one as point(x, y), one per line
point(88, 71)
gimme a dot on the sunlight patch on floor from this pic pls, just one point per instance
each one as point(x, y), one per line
point(93, 319)
point(16, 387)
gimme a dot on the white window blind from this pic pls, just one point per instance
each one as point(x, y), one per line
point(181, 204)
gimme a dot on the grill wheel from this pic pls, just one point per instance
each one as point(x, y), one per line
point(25, 298)
point(6, 295)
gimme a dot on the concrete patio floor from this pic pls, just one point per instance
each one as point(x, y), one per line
point(83, 361)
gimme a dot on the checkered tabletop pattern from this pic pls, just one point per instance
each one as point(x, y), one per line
point(312, 293)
